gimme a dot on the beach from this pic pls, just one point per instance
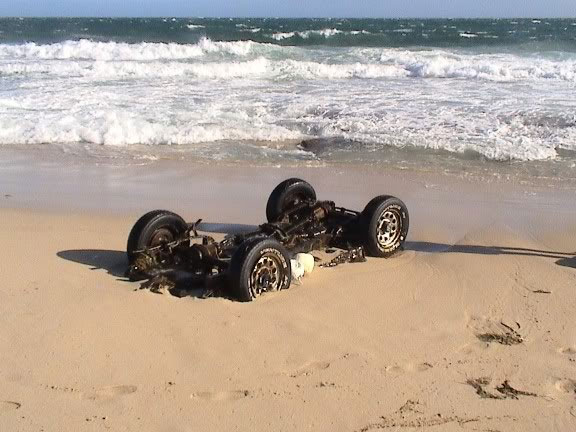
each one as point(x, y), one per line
point(469, 328)
point(470, 122)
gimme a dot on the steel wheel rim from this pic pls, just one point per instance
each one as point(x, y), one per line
point(266, 275)
point(161, 237)
point(389, 228)
point(297, 199)
point(294, 202)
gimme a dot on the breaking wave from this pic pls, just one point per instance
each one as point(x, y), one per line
point(123, 94)
point(115, 128)
point(326, 33)
point(519, 137)
point(106, 51)
point(245, 59)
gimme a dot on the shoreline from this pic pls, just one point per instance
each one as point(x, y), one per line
point(448, 206)
point(34, 160)
point(56, 179)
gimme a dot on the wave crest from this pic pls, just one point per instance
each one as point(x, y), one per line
point(262, 67)
point(108, 51)
point(326, 33)
point(116, 128)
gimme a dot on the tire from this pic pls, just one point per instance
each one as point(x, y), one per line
point(154, 228)
point(260, 264)
point(384, 226)
point(286, 195)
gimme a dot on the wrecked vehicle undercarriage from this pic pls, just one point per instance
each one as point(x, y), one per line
point(253, 263)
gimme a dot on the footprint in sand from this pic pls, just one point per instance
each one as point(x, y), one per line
point(61, 389)
point(567, 350)
point(566, 386)
point(221, 395)
point(6, 406)
point(310, 368)
point(112, 392)
point(394, 369)
point(420, 367)
point(409, 367)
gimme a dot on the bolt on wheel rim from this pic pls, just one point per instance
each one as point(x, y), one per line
point(160, 237)
point(265, 275)
point(389, 228)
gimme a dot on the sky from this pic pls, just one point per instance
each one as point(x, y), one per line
point(288, 8)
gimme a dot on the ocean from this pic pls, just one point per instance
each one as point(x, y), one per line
point(497, 95)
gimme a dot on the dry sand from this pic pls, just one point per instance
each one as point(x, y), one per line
point(470, 328)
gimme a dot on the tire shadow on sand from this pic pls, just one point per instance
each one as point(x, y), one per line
point(114, 262)
point(564, 258)
point(567, 262)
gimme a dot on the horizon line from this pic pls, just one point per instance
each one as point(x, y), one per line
point(278, 17)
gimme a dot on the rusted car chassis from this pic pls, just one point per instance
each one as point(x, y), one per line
point(250, 264)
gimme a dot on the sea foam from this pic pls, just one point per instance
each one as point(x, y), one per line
point(120, 94)
point(252, 60)
point(305, 34)
point(108, 51)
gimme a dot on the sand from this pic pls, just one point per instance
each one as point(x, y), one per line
point(471, 327)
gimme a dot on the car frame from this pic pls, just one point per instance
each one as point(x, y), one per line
point(250, 264)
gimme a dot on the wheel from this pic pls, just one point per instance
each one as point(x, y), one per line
point(259, 265)
point(384, 226)
point(153, 229)
point(286, 195)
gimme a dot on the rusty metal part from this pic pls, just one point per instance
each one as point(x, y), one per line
point(141, 266)
point(350, 256)
point(193, 228)
point(205, 251)
point(310, 225)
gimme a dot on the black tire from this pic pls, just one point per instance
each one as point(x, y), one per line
point(260, 264)
point(286, 195)
point(384, 226)
point(154, 228)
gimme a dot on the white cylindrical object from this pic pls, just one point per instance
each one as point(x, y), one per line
point(307, 262)
point(297, 269)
